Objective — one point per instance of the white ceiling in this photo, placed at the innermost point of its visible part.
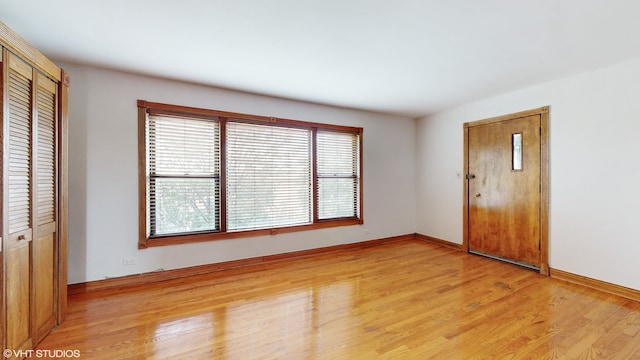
(408, 57)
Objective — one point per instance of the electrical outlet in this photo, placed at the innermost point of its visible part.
(128, 262)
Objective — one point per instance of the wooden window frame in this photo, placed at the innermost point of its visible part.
(146, 107)
(317, 176)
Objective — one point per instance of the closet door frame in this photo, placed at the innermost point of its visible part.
(10, 42)
(3, 105)
(62, 173)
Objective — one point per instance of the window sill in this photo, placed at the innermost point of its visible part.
(193, 238)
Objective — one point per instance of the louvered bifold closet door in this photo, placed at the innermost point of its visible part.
(45, 251)
(17, 201)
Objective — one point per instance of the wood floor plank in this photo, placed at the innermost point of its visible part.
(404, 300)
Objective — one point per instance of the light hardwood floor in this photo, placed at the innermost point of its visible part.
(405, 300)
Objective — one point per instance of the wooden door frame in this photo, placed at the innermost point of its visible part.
(544, 179)
(10, 42)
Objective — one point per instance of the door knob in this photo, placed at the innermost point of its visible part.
(477, 194)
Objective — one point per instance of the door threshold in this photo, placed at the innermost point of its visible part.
(526, 266)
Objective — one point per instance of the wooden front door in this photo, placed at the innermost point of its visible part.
(504, 189)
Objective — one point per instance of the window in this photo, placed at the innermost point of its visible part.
(208, 174)
(268, 176)
(516, 151)
(338, 174)
(184, 175)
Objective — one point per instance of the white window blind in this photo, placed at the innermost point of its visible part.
(183, 160)
(268, 176)
(337, 161)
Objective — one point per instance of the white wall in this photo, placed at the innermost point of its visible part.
(594, 169)
(595, 165)
(103, 219)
